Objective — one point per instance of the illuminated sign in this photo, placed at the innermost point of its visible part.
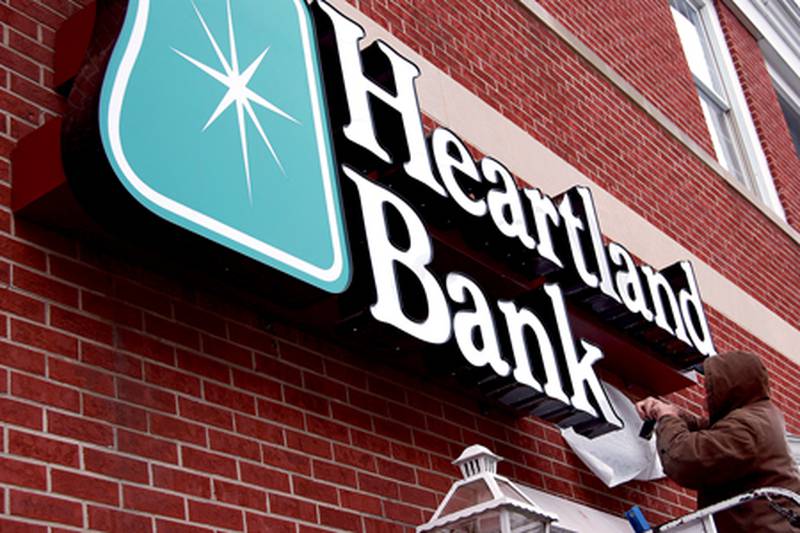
(212, 115)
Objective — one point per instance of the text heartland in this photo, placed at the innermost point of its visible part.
(560, 238)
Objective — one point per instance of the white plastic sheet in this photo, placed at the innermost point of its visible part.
(621, 455)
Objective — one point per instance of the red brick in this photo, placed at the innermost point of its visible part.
(230, 398)
(13, 526)
(42, 448)
(168, 526)
(276, 369)
(44, 286)
(85, 487)
(266, 524)
(227, 351)
(280, 413)
(206, 414)
(372, 525)
(305, 401)
(177, 429)
(112, 310)
(41, 391)
(116, 413)
(21, 358)
(324, 386)
(71, 373)
(216, 515)
(354, 457)
(144, 446)
(303, 442)
(170, 379)
(239, 496)
(254, 383)
(328, 429)
(208, 462)
(79, 429)
(20, 414)
(81, 325)
(418, 496)
(347, 415)
(339, 519)
(360, 502)
(286, 460)
(396, 471)
(203, 366)
(131, 341)
(334, 473)
(147, 396)
(252, 338)
(172, 331)
(292, 508)
(233, 445)
(112, 360)
(115, 466)
(403, 513)
(80, 274)
(140, 296)
(22, 474)
(263, 431)
(314, 490)
(371, 443)
(299, 356)
(201, 320)
(392, 430)
(180, 481)
(268, 478)
(44, 338)
(46, 508)
(378, 486)
(20, 252)
(151, 501)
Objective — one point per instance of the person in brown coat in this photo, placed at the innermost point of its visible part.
(741, 447)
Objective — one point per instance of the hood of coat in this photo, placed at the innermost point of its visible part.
(734, 380)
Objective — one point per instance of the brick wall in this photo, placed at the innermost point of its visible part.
(132, 399)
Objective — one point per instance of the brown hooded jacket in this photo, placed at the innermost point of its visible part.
(740, 448)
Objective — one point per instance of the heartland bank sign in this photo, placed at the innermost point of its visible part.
(214, 116)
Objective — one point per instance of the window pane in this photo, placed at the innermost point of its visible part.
(695, 44)
(792, 120)
(722, 137)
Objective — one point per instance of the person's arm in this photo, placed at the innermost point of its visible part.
(707, 457)
(694, 423)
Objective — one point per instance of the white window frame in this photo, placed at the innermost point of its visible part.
(756, 166)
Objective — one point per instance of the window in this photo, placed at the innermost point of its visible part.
(736, 144)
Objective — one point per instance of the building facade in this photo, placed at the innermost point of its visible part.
(144, 389)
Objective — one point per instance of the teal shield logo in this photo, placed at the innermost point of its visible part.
(213, 116)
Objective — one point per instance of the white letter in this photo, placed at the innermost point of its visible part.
(467, 323)
(573, 226)
(505, 206)
(442, 141)
(690, 298)
(385, 259)
(580, 372)
(628, 283)
(518, 320)
(361, 129)
(544, 213)
(606, 281)
(657, 284)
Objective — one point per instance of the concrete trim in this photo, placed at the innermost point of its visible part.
(453, 105)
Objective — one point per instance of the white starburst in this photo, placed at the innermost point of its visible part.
(238, 93)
